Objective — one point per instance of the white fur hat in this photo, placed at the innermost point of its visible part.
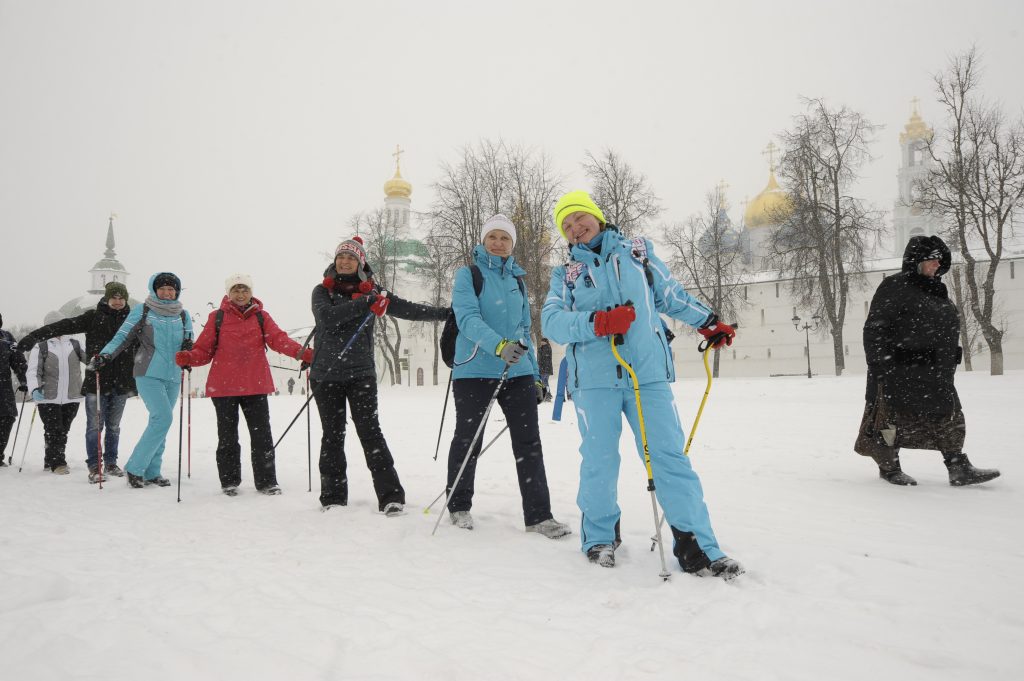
(235, 280)
(501, 222)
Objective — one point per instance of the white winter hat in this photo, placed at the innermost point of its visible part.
(501, 222)
(235, 280)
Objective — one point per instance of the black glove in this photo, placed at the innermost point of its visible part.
(304, 366)
(22, 388)
(25, 344)
(186, 345)
(98, 362)
(542, 391)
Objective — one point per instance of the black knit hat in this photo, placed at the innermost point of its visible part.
(167, 279)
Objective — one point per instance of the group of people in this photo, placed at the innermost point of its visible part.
(604, 304)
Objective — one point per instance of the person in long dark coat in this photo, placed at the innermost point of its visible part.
(911, 345)
(10, 360)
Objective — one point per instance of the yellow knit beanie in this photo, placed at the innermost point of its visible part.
(572, 202)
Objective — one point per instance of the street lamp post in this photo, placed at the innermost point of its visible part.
(807, 328)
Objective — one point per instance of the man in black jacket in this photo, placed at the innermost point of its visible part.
(116, 381)
(10, 360)
(910, 343)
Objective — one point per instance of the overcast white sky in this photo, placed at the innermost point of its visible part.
(240, 136)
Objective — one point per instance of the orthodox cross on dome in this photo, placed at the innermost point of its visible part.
(913, 106)
(721, 189)
(398, 154)
(770, 152)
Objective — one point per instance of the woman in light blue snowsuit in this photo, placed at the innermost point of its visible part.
(162, 328)
(614, 285)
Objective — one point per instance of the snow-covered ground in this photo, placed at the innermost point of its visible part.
(849, 578)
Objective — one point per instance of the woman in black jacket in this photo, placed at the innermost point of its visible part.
(911, 346)
(345, 304)
(116, 381)
(10, 360)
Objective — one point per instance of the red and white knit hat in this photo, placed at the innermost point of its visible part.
(354, 247)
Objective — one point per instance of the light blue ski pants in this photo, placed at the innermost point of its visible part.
(677, 487)
(160, 396)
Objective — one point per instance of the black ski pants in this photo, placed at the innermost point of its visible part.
(229, 452)
(7, 422)
(518, 401)
(361, 395)
(56, 420)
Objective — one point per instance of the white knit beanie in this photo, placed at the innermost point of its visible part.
(235, 280)
(501, 222)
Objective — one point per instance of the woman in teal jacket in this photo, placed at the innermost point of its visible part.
(494, 334)
(612, 285)
(162, 328)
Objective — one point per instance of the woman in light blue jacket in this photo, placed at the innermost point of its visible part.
(493, 315)
(614, 286)
(162, 328)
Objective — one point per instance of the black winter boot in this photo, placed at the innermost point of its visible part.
(961, 472)
(896, 476)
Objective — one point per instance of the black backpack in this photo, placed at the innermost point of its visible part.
(450, 332)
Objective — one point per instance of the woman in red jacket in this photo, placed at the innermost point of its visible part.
(235, 338)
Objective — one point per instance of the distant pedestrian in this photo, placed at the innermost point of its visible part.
(291, 385)
(544, 364)
(911, 343)
(10, 361)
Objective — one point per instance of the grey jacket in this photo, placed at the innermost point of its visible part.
(54, 367)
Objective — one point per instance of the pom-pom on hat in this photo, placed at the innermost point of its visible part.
(236, 280)
(354, 247)
(501, 222)
(577, 201)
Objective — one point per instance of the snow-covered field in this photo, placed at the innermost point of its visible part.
(848, 577)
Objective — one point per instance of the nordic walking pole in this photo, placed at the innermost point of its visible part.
(10, 459)
(28, 437)
(647, 453)
(469, 452)
(447, 392)
(494, 439)
(189, 398)
(309, 439)
(99, 431)
(181, 425)
(309, 398)
(704, 348)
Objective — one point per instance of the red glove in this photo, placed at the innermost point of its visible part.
(380, 304)
(306, 356)
(614, 321)
(183, 358)
(717, 333)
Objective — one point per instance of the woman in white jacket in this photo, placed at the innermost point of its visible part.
(55, 381)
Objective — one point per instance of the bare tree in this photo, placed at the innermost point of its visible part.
(824, 232)
(494, 177)
(707, 254)
(976, 185)
(624, 195)
(436, 271)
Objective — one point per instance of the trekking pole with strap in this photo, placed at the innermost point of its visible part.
(189, 398)
(309, 398)
(181, 426)
(21, 412)
(494, 439)
(647, 453)
(704, 348)
(99, 431)
(309, 441)
(444, 410)
(28, 436)
(476, 438)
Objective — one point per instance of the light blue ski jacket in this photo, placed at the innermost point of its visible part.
(501, 311)
(591, 281)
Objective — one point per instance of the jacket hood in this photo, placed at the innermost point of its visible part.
(485, 260)
(921, 248)
(153, 277)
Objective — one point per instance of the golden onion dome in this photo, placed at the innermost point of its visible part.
(770, 207)
(915, 129)
(397, 187)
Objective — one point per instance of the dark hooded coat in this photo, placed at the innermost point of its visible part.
(911, 336)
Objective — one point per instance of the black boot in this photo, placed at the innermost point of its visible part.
(961, 472)
(896, 476)
(135, 481)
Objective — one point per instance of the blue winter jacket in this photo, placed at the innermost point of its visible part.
(162, 336)
(599, 281)
(501, 311)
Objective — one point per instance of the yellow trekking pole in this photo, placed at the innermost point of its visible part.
(647, 454)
